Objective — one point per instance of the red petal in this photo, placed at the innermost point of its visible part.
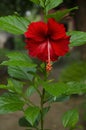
(53, 56)
(37, 31)
(40, 50)
(37, 50)
(61, 46)
(43, 52)
(55, 29)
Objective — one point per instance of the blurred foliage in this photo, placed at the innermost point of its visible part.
(19, 42)
(74, 72)
(10, 6)
(3, 53)
(3, 57)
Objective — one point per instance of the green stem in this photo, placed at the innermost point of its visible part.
(42, 100)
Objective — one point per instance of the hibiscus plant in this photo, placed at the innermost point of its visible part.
(46, 40)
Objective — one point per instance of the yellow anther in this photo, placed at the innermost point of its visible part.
(48, 67)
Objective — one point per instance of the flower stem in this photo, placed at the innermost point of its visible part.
(42, 100)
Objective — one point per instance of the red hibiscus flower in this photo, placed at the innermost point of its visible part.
(47, 41)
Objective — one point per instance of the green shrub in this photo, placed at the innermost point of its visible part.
(74, 72)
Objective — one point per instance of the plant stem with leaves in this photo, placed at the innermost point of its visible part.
(42, 100)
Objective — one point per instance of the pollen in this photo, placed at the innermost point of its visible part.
(48, 67)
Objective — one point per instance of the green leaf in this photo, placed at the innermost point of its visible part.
(30, 91)
(78, 38)
(17, 63)
(38, 118)
(19, 56)
(31, 114)
(20, 66)
(55, 89)
(14, 24)
(75, 88)
(74, 72)
(35, 1)
(24, 123)
(18, 59)
(59, 15)
(59, 99)
(23, 73)
(70, 118)
(42, 3)
(39, 2)
(60, 89)
(2, 86)
(14, 85)
(50, 4)
(51, 99)
(10, 103)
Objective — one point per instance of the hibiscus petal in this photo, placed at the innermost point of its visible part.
(40, 50)
(37, 31)
(37, 50)
(61, 46)
(43, 52)
(55, 29)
